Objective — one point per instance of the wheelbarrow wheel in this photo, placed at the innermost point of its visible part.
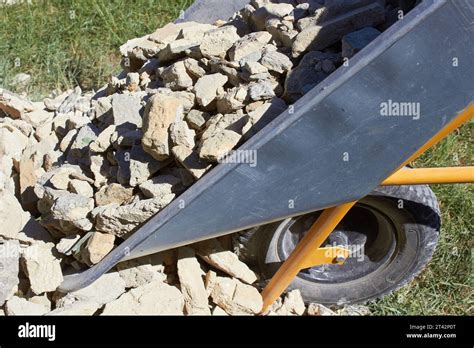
(392, 234)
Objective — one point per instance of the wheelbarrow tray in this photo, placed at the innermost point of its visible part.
(334, 145)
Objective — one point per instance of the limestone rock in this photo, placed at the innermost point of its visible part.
(126, 110)
(219, 144)
(138, 272)
(261, 90)
(121, 220)
(160, 186)
(103, 141)
(9, 268)
(105, 289)
(161, 112)
(12, 216)
(217, 42)
(42, 267)
(20, 306)
(236, 298)
(81, 187)
(155, 298)
(214, 254)
(192, 285)
(206, 88)
(180, 134)
(322, 35)
(97, 247)
(14, 105)
(354, 310)
(319, 309)
(77, 308)
(276, 61)
(113, 193)
(66, 243)
(270, 10)
(293, 304)
(176, 77)
(191, 161)
(73, 208)
(249, 45)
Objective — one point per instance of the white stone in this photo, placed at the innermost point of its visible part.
(192, 285)
(42, 267)
(206, 88)
(225, 260)
(20, 306)
(155, 298)
(236, 298)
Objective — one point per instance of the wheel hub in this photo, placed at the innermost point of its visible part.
(365, 231)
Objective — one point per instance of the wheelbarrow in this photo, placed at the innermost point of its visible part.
(331, 207)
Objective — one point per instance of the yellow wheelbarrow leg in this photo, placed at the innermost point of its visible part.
(308, 254)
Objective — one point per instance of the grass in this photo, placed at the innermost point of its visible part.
(62, 44)
(446, 286)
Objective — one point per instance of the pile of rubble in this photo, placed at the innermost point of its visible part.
(81, 171)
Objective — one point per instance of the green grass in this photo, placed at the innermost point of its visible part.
(446, 285)
(62, 44)
(60, 51)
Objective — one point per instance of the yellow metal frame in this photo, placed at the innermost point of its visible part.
(308, 252)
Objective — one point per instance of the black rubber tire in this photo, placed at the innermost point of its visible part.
(417, 227)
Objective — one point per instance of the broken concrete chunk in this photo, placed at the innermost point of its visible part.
(155, 298)
(42, 267)
(161, 112)
(180, 134)
(191, 283)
